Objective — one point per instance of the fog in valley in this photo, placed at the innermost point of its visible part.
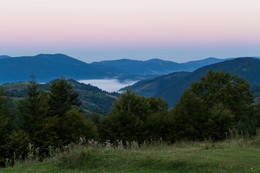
(110, 85)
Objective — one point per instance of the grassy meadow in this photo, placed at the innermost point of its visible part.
(236, 155)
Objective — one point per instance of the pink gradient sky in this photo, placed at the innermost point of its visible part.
(93, 30)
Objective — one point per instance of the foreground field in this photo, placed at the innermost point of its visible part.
(229, 156)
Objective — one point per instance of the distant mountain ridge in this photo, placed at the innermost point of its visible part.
(4, 56)
(47, 67)
(156, 66)
(247, 68)
(150, 87)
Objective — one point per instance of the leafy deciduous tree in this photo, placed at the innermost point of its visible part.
(132, 116)
(229, 90)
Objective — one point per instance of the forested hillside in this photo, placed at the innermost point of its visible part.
(91, 97)
(256, 93)
(247, 68)
(150, 87)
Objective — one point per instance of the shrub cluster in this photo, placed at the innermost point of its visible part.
(42, 120)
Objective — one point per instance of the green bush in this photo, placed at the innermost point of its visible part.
(135, 118)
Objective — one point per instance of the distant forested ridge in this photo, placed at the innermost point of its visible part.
(91, 97)
(155, 66)
(171, 86)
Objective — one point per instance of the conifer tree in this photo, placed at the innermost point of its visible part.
(6, 125)
(65, 122)
(62, 98)
(32, 110)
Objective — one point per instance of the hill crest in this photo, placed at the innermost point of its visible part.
(247, 68)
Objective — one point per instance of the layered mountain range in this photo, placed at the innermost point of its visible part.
(47, 67)
(162, 78)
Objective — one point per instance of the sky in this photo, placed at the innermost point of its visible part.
(95, 30)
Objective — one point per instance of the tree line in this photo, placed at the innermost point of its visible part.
(208, 110)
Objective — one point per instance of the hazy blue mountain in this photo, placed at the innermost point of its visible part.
(155, 66)
(4, 56)
(47, 67)
(248, 68)
(193, 65)
(150, 87)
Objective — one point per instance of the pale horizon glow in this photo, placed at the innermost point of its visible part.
(94, 30)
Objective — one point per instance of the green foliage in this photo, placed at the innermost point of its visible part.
(92, 98)
(219, 122)
(32, 110)
(73, 126)
(16, 146)
(129, 116)
(62, 98)
(189, 118)
(6, 125)
(214, 105)
(47, 136)
(158, 121)
(16, 90)
(229, 90)
(63, 123)
(60, 131)
(257, 113)
(44, 120)
(157, 127)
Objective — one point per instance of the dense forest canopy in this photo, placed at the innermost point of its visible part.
(211, 109)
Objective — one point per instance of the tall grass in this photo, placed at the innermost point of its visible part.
(232, 155)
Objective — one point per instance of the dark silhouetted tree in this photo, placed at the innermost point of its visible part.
(214, 105)
(32, 110)
(190, 118)
(6, 126)
(131, 119)
(62, 98)
(229, 90)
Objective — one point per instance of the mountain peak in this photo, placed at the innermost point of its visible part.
(52, 55)
(4, 56)
(156, 60)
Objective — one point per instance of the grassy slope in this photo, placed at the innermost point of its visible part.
(229, 156)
